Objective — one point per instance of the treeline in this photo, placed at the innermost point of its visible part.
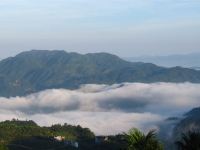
(23, 135)
(19, 135)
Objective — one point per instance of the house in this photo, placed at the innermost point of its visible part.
(59, 138)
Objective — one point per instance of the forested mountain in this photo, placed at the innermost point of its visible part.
(37, 70)
(173, 128)
(191, 122)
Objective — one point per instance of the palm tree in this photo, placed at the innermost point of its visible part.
(189, 141)
(139, 141)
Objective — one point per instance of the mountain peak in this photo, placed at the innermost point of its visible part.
(40, 52)
(194, 112)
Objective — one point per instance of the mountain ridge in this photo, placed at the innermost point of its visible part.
(37, 70)
(190, 60)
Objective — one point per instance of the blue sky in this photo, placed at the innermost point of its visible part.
(122, 27)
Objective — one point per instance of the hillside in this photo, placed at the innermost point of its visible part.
(191, 122)
(18, 135)
(35, 70)
(173, 128)
(23, 135)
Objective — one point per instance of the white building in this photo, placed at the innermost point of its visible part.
(59, 138)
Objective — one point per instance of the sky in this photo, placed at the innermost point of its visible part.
(122, 27)
(105, 109)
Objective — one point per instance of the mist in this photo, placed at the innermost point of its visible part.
(105, 109)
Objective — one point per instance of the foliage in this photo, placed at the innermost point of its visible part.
(3, 147)
(116, 142)
(17, 135)
(189, 141)
(190, 122)
(139, 141)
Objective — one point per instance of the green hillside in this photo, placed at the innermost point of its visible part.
(23, 135)
(34, 71)
(15, 135)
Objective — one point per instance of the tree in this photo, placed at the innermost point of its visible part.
(3, 147)
(189, 141)
(139, 141)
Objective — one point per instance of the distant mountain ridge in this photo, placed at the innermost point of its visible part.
(172, 128)
(191, 121)
(191, 60)
(37, 70)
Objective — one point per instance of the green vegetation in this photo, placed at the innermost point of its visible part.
(189, 141)
(139, 141)
(190, 122)
(15, 135)
(23, 135)
(34, 71)
(11, 130)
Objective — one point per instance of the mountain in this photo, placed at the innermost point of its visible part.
(37, 70)
(191, 60)
(171, 129)
(191, 122)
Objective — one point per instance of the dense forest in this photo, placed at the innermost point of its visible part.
(17, 134)
(23, 135)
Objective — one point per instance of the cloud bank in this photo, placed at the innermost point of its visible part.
(105, 109)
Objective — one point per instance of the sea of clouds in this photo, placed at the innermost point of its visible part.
(105, 109)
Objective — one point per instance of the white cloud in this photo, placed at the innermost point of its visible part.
(102, 123)
(105, 109)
